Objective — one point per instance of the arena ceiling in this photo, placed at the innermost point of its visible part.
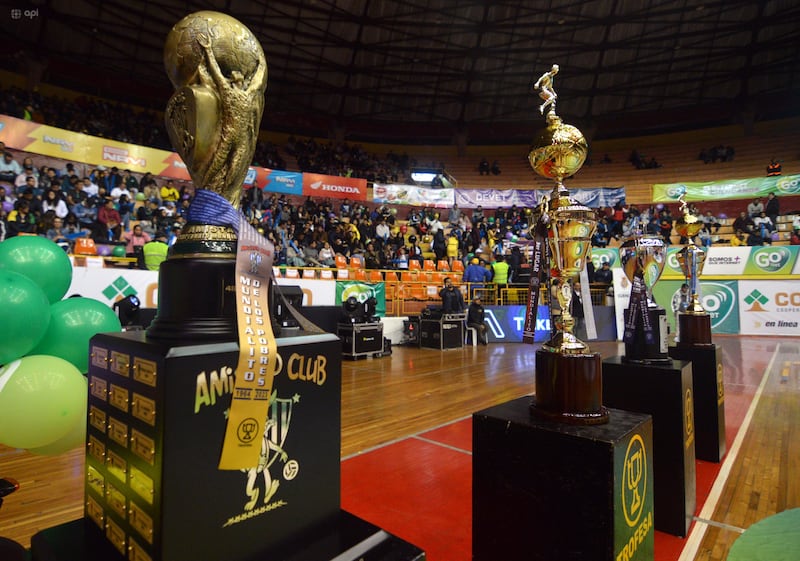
(427, 70)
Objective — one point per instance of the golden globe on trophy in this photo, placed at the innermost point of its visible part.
(694, 324)
(219, 72)
(643, 257)
(568, 375)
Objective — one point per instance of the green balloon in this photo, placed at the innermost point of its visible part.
(118, 251)
(41, 398)
(75, 437)
(41, 260)
(72, 323)
(24, 315)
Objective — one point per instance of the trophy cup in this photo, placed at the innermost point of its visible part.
(568, 374)
(694, 324)
(643, 257)
(219, 72)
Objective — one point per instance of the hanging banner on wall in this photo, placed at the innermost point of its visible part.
(412, 195)
(769, 307)
(275, 181)
(727, 189)
(82, 148)
(318, 185)
(361, 291)
(496, 198)
(771, 260)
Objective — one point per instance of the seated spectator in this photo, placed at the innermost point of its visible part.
(704, 235)
(738, 239)
(764, 225)
(484, 168)
(604, 275)
(755, 238)
(20, 220)
(744, 223)
(326, 256)
(155, 252)
(794, 239)
(9, 168)
(755, 208)
(711, 221)
(773, 168)
(135, 240)
(496, 167)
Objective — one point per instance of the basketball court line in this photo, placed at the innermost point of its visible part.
(703, 519)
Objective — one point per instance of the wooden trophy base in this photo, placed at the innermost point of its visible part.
(569, 388)
(694, 330)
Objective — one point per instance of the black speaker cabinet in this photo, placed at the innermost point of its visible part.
(361, 339)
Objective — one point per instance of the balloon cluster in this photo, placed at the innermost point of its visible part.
(44, 347)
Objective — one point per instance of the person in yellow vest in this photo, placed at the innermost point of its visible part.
(738, 239)
(500, 270)
(154, 252)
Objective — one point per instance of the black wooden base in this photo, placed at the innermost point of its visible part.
(346, 535)
(665, 392)
(694, 330)
(569, 388)
(709, 399)
(544, 491)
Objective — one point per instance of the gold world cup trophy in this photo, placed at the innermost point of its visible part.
(643, 257)
(219, 72)
(568, 375)
(694, 324)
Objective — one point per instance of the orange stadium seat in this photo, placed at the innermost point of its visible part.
(356, 262)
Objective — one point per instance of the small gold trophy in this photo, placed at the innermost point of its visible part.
(643, 257)
(568, 375)
(694, 324)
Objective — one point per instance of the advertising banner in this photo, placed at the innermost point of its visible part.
(504, 323)
(672, 269)
(719, 298)
(412, 195)
(726, 261)
(728, 189)
(318, 185)
(496, 198)
(275, 181)
(77, 147)
(769, 307)
(771, 260)
(600, 255)
(622, 293)
(361, 291)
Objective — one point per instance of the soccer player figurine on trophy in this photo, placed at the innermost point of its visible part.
(694, 325)
(568, 374)
(643, 257)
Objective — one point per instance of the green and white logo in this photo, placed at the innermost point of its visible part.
(771, 260)
(789, 185)
(721, 301)
(361, 291)
(120, 288)
(602, 255)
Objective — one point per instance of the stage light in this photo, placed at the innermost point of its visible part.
(128, 310)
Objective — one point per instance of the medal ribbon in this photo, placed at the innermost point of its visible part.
(255, 369)
(537, 269)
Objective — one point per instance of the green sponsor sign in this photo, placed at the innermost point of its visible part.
(769, 260)
(600, 255)
(672, 268)
(719, 298)
(361, 291)
(728, 189)
(634, 533)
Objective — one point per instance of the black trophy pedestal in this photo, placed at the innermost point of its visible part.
(544, 491)
(665, 392)
(709, 399)
(346, 534)
(639, 350)
(156, 424)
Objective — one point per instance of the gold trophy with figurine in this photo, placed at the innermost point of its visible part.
(694, 324)
(568, 374)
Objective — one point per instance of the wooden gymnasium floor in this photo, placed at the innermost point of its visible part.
(406, 460)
